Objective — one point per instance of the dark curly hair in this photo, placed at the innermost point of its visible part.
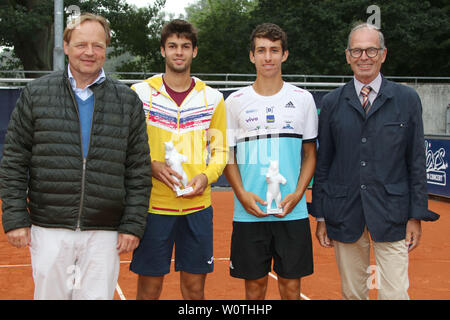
(182, 29)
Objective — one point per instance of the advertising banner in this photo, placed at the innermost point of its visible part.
(8, 98)
(437, 151)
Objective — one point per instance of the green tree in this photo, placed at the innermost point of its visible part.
(27, 25)
(8, 61)
(139, 35)
(417, 34)
(223, 32)
(417, 37)
(317, 32)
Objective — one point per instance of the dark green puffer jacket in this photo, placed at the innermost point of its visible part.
(43, 177)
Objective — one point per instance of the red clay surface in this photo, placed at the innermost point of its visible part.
(429, 269)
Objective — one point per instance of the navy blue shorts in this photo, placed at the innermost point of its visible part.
(192, 235)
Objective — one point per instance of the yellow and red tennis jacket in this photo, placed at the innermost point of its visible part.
(197, 129)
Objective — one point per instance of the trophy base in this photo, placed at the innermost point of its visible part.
(274, 211)
(181, 192)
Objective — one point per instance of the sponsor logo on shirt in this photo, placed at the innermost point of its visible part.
(290, 105)
(251, 119)
(255, 128)
(288, 125)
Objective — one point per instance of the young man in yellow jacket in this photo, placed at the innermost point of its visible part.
(184, 112)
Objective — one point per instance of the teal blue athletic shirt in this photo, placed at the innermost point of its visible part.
(270, 128)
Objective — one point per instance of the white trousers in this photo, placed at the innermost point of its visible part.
(78, 265)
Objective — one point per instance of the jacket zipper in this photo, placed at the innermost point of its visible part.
(83, 180)
(83, 172)
(83, 177)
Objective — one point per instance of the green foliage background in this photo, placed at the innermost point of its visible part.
(417, 33)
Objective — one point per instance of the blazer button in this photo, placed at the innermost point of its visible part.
(363, 163)
(364, 140)
(363, 187)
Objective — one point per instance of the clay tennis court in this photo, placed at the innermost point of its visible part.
(429, 265)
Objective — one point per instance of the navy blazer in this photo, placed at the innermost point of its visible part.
(370, 169)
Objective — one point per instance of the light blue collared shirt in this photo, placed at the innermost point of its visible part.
(85, 93)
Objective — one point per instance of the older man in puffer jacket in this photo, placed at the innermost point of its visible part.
(75, 177)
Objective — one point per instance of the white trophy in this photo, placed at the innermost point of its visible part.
(273, 179)
(174, 160)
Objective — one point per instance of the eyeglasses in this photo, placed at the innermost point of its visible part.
(370, 52)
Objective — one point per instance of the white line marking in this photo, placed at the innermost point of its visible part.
(301, 294)
(15, 265)
(120, 293)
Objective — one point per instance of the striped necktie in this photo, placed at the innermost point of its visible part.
(365, 94)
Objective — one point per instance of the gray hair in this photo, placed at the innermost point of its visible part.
(369, 26)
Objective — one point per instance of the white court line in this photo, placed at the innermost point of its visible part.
(301, 294)
(15, 265)
(119, 292)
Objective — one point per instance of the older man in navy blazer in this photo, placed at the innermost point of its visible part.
(370, 179)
